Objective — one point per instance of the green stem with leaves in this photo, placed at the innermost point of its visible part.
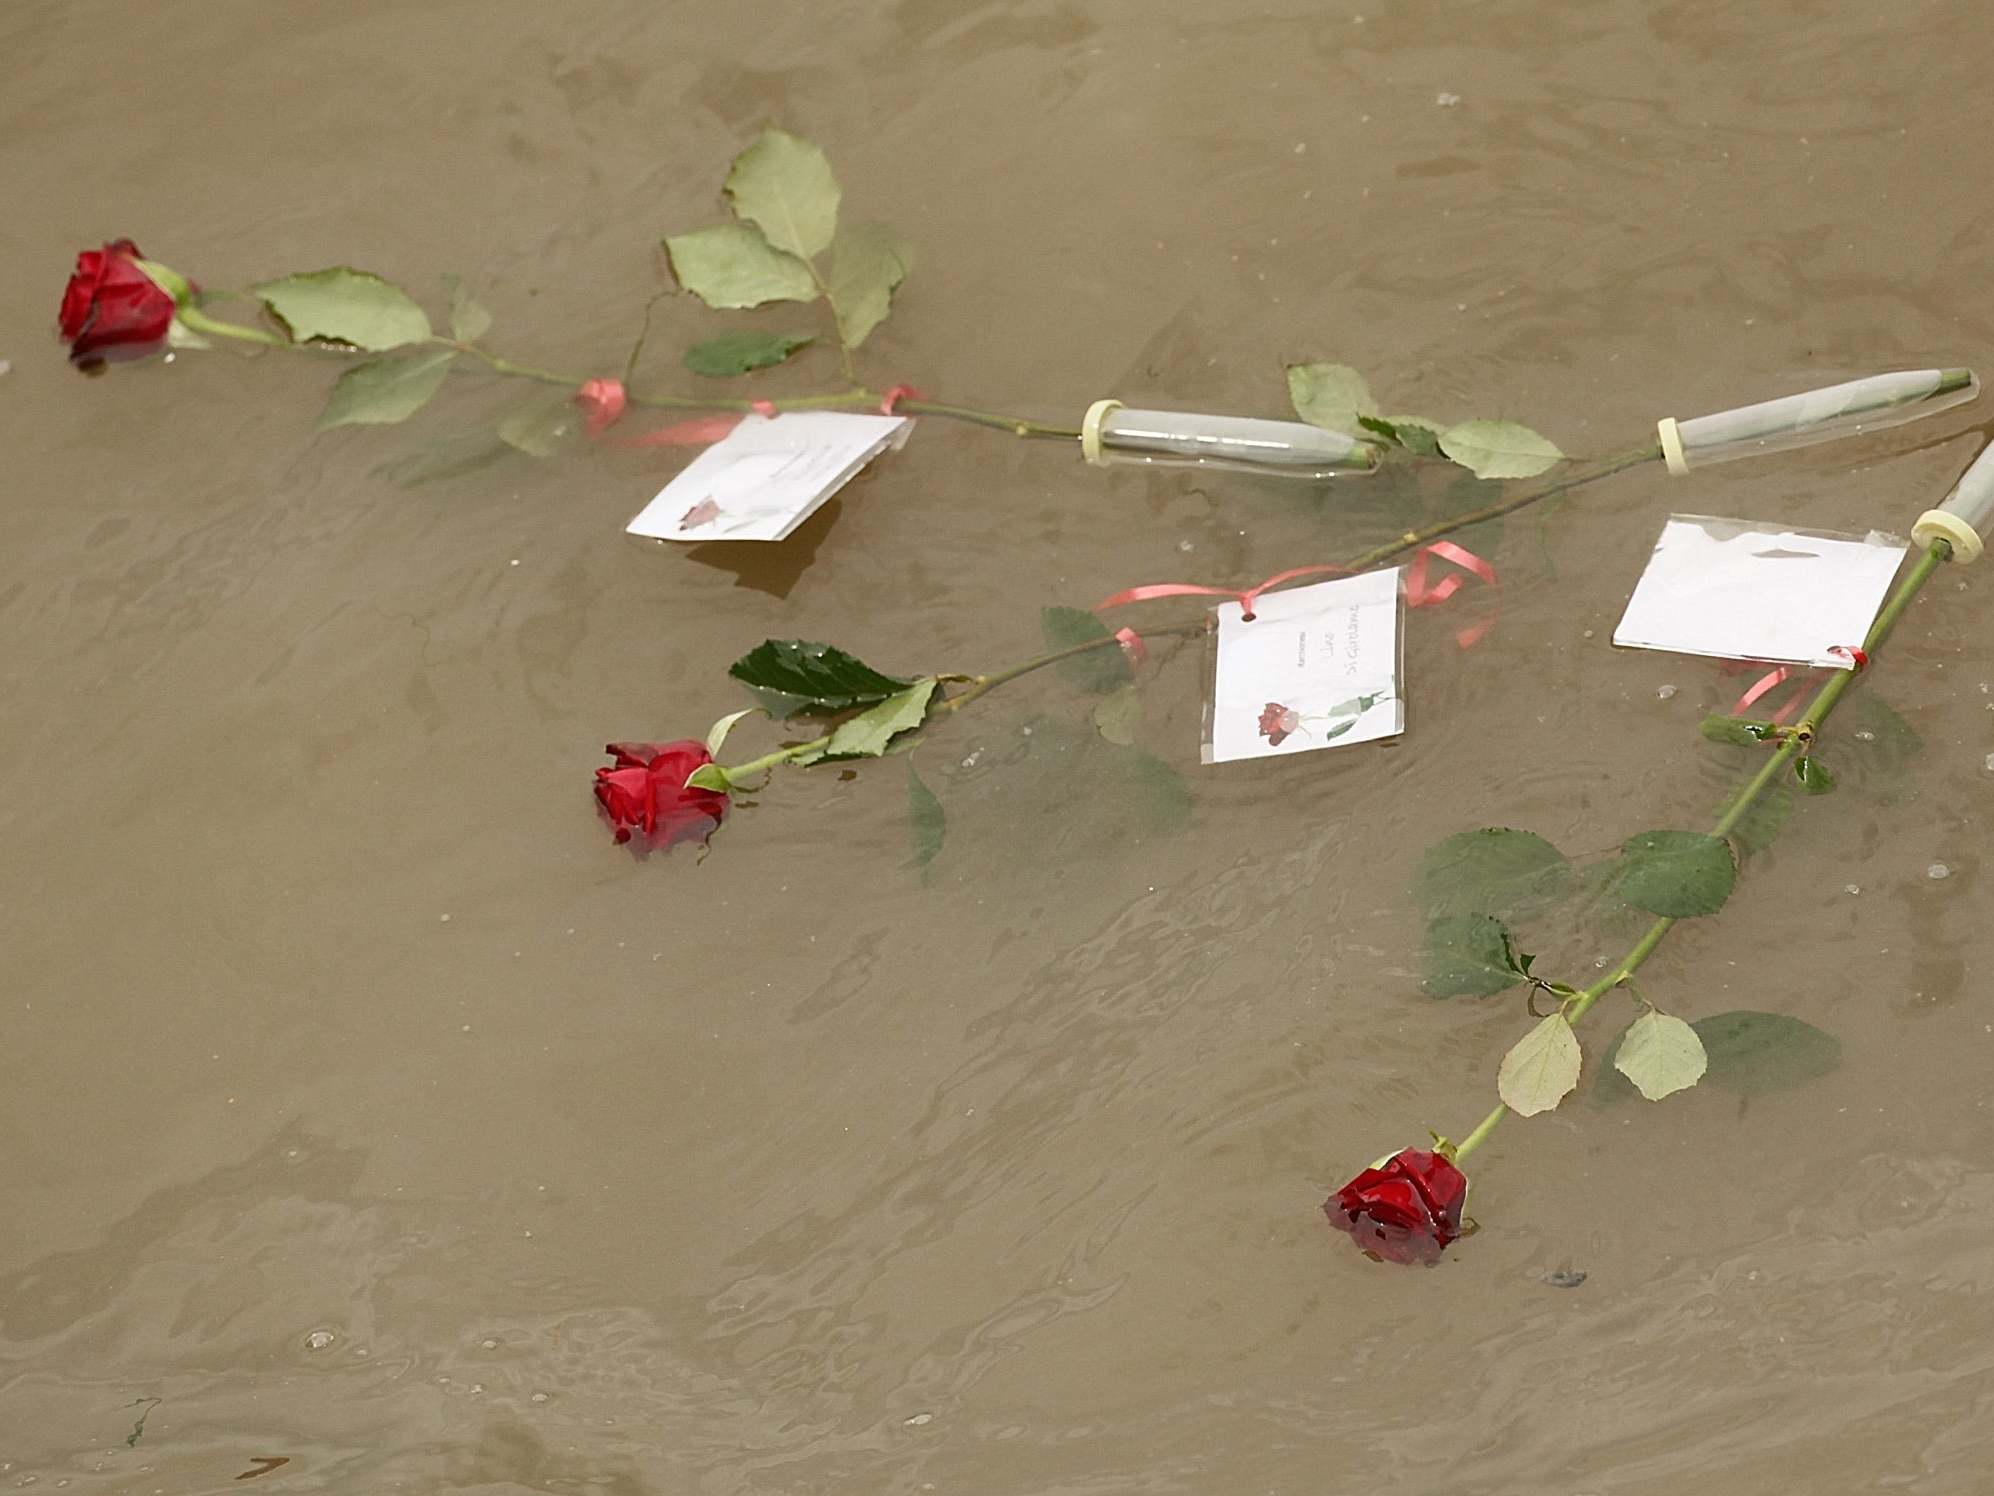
(1792, 745)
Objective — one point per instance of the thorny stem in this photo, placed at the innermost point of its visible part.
(1792, 746)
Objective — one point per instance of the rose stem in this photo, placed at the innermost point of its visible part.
(1795, 743)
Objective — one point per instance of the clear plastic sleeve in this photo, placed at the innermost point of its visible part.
(1172, 438)
(1862, 405)
(1966, 518)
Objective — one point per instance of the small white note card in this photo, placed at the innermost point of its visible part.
(767, 476)
(1317, 667)
(1742, 591)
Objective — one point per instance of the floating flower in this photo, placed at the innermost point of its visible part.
(645, 790)
(1405, 1208)
(113, 309)
(1277, 721)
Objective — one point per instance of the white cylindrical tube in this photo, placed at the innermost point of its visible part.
(1173, 438)
(1966, 518)
(1862, 405)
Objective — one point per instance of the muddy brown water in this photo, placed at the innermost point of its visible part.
(366, 1109)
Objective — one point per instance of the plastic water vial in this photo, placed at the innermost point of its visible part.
(1966, 517)
(1859, 406)
(1111, 433)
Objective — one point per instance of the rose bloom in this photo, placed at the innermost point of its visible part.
(112, 309)
(1405, 1208)
(645, 791)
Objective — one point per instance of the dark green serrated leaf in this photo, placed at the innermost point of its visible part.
(926, 820)
(344, 305)
(1812, 775)
(788, 676)
(1882, 738)
(1098, 670)
(742, 352)
(1741, 732)
(1491, 871)
(1751, 1054)
(1679, 874)
(1415, 434)
(1468, 955)
(384, 391)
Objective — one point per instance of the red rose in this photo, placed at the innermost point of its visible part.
(111, 308)
(1405, 1209)
(646, 791)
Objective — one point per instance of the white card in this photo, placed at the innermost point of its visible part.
(1741, 591)
(767, 476)
(1318, 667)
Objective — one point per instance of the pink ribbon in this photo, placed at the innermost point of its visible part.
(1858, 659)
(895, 395)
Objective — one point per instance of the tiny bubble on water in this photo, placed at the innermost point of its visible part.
(1666, 693)
(1938, 870)
(318, 1340)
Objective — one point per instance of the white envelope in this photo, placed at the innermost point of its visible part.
(767, 476)
(1741, 591)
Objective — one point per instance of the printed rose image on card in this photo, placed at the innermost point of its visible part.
(1316, 667)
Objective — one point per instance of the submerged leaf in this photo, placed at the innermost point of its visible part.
(1754, 1053)
(1812, 775)
(788, 676)
(1541, 1068)
(742, 352)
(1469, 955)
(1495, 870)
(383, 391)
(469, 320)
(1117, 714)
(445, 458)
(1759, 825)
(868, 263)
(343, 305)
(1097, 670)
(1499, 449)
(784, 186)
(1661, 1054)
(1332, 396)
(926, 820)
(1678, 874)
(730, 265)
(543, 424)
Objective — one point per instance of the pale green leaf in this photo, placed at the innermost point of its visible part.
(735, 353)
(868, 734)
(1499, 449)
(868, 261)
(716, 735)
(1540, 1069)
(784, 187)
(382, 391)
(1116, 715)
(543, 424)
(730, 265)
(710, 777)
(344, 305)
(1332, 396)
(1661, 1054)
(469, 320)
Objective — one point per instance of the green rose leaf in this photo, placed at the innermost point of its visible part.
(1661, 1054)
(788, 676)
(1414, 433)
(1469, 955)
(342, 305)
(1332, 396)
(730, 265)
(1540, 1069)
(868, 734)
(1492, 871)
(1499, 449)
(444, 458)
(710, 777)
(868, 262)
(742, 352)
(1752, 1054)
(1758, 827)
(469, 320)
(1742, 732)
(1117, 714)
(1097, 670)
(1679, 874)
(543, 424)
(1812, 775)
(382, 391)
(926, 820)
(784, 187)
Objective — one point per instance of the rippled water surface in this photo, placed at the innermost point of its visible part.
(367, 1109)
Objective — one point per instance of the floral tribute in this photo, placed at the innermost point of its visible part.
(786, 242)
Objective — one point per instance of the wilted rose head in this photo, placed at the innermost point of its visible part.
(1405, 1208)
